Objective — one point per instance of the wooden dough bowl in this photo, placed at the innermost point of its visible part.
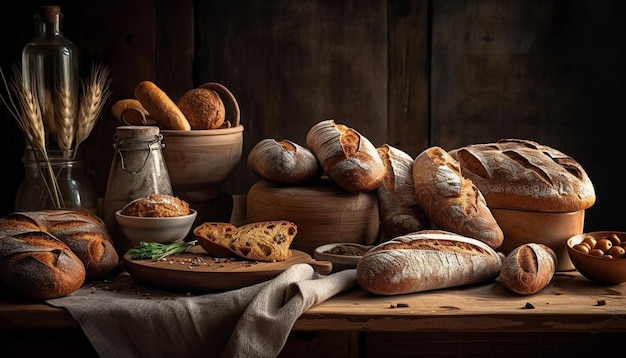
(323, 212)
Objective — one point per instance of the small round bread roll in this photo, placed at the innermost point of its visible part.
(203, 108)
(284, 162)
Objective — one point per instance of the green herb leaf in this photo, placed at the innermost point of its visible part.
(157, 251)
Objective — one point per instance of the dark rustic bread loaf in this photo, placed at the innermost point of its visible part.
(522, 174)
(399, 211)
(262, 241)
(451, 201)
(347, 157)
(425, 261)
(528, 268)
(36, 265)
(82, 231)
(284, 162)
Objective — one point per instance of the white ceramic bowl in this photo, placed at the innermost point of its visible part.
(150, 229)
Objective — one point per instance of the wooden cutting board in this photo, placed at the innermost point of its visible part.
(199, 272)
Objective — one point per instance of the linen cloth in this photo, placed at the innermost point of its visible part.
(122, 318)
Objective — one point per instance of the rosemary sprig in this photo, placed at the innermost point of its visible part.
(157, 250)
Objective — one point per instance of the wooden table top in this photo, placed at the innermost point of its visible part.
(569, 303)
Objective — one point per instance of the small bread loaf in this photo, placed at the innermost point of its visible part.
(156, 205)
(130, 111)
(451, 201)
(425, 261)
(203, 108)
(524, 175)
(81, 230)
(261, 241)
(348, 158)
(399, 211)
(35, 264)
(528, 268)
(284, 162)
(160, 106)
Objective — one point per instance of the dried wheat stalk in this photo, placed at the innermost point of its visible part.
(65, 118)
(95, 93)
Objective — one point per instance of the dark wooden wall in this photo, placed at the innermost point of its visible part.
(411, 73)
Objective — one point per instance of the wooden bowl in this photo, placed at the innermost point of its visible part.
(603, 271)
(323, 212)
(200, 161)
(552, 229)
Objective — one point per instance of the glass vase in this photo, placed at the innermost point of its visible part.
(62, 182)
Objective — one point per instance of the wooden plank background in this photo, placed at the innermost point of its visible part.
(411, 73)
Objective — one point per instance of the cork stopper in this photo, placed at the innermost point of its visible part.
(49, 13)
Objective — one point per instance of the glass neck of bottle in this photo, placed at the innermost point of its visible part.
(46, 28)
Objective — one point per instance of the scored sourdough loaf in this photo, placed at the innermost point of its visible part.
(35, 264)
(524, 175)
(160, 106)
(81, 230)
(261, 241)
(347, 157)
(528, 268)
(451, 201)
(426, 260)
(284, 162)
(399, 211)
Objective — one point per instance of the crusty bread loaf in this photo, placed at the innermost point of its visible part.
(522, 174)
(284, 162)
(425, 261)
(129, 111)
(261, 241)
(347, 157)
(528, 268)
(451, 201)
(203, 108)
(35, 264)
(156, 205)
(399, 211)
(81, 230)
(160, 106)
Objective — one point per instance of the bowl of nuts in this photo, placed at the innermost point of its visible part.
(599, 256)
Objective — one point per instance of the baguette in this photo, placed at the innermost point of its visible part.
(261, 241)
(35, 264)
(284, 162)
(524, 175)
(347, 157)
(424, 261)
(528, 268)
(451, 201)
(399, 211)
(160, 106)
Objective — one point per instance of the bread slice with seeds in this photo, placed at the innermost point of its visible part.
(261, 241)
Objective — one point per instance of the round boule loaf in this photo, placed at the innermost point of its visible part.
(284, 162)
(203, 108)
(525, 175)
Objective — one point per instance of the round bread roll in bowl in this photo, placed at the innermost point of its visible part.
(536, 193)
(203, 108)
(199, 161)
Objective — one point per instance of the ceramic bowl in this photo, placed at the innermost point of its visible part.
(153, 229)
(600, 270)
(199, 161)
(552, 229)
(343, 256)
